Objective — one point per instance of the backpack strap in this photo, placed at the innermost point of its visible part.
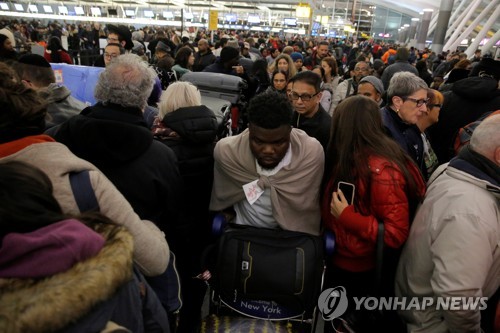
(349, 86)
(83, 191)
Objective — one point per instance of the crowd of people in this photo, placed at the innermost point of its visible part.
(381, 117)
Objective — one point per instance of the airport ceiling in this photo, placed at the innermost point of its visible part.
(287, 7)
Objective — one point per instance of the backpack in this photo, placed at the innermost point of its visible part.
(274, 265)
(464, 134)
(167, 285)
(166, 77)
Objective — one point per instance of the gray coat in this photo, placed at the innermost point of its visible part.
(61, 105)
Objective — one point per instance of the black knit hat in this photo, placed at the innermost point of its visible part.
(228, 53)
(487, 66)
(34, 60)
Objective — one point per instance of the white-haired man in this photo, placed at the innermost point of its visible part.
(113, 135)
(453, 252)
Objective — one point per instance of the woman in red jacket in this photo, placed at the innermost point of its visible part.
(388, 187)
(55, 53)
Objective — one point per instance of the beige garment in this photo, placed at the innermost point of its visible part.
(294, 189)
(151, 251)
(112, 327)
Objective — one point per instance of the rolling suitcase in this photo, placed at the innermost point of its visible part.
(220, 107)
(222, 111)
(222, 86)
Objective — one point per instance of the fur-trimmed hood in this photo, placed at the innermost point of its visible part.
(51, 304)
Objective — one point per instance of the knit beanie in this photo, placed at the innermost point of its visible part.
(34, 60)
(296, 56)
(228, 53)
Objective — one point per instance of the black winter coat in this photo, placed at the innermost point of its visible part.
(117, 140)
(203, 60)
(466, 102)
(318, 126)
(196, 128)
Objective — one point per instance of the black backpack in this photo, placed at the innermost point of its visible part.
(274, 265)
(87, 202)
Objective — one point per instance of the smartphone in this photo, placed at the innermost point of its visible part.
(348, 190)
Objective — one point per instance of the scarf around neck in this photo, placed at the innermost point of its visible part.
(294, 189)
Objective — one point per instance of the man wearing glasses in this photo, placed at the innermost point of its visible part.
(308, 114)
(112, 51)
(349, 87)
(120, 35)
(406, 104)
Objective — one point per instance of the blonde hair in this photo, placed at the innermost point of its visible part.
(291, 66)
(178, 95)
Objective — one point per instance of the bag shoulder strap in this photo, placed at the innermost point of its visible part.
(464, 134)
(349, 86)
(380, 257)
(83, 191)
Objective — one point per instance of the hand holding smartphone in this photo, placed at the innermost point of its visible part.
(348, 190)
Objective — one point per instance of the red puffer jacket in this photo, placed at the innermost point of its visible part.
(356, 234)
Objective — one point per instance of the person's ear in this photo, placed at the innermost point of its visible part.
(397, 102)
(28, 84)
(497, 156)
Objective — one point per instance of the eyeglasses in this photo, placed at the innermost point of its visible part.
(303, 97)
(110, 55)
(419, 102)
(361, 69)
(435, 105)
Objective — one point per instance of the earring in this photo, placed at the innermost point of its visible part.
(397, 110)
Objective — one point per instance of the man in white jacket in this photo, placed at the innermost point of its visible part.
(453, 251)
